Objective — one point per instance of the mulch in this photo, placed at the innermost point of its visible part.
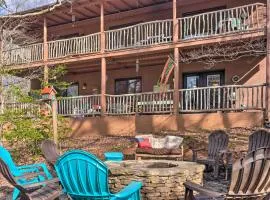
(127, 145)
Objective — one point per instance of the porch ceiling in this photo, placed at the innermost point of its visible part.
(147, 60)
(90, 9)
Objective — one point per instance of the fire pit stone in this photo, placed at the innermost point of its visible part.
(162, 179)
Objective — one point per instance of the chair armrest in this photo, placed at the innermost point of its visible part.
(42, 166)
(42, 183)
(30, 175)
(195, 153)
(196, 150)
(132, 189)
(28, 170)
(201, 190)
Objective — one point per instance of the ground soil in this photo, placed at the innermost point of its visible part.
(99, 145)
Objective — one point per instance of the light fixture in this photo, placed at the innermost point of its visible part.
(84, 87)
(73, 20)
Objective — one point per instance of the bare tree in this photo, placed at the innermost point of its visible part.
(210, 55)
(15, 34)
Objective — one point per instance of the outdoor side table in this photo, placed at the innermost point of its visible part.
(114, 156)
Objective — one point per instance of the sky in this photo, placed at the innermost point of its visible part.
(20, 5)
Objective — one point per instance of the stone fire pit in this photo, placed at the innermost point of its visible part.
(161, 179)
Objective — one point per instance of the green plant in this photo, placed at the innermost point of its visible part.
(23, 126)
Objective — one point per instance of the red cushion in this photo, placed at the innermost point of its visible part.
(145, 144)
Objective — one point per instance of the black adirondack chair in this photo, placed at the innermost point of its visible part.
(47, 190)
(50, 151)
(259, 139)
(250, 180)
(217, 148)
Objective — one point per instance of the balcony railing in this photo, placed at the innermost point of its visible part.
(239, 19)
(223, 22)
(223, 98)
(207, 99)
(27, 109)
(144, 34)
(150, 102)
(74, 46)
(26, 54)
(81, 105)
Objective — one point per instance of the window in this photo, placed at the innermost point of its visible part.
(203, 79)
(192, 81)
(71, 91)
(213, 80)
(128, 85)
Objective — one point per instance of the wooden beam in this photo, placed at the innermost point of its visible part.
(45, 51)
(176, 60)
(267, 103)
(88, 70)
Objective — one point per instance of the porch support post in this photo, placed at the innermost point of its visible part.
(45, 51)
(103, 61)
(176, 60)
(267, 99)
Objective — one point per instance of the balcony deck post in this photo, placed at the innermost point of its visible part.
(176, 60)
(103, 61)
(45, 51)
(267, 99)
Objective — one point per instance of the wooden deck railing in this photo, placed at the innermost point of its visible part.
(222, 98)
(149, 102)
(207, 99)
(26, 54)
(239, 19)
(81, 105)
(228, 21)
(28, 109)
(144, 34)
(74, 46)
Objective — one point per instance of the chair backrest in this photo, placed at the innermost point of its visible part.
(5, 171)
(259, 139)
(250, 175)
(83, 175)
(50, 151)
(6, 157)
(217, 141)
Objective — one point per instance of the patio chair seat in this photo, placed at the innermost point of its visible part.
(40, 171)
(50, 191)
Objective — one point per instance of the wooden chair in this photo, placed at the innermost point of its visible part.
(50, 151)
(46, 190)
(250, 180)
(217, 148)
(259, 139)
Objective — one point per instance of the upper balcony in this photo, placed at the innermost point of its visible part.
(206, 26)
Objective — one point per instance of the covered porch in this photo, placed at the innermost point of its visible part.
(132, 87)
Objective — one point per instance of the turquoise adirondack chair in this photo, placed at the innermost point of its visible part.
(83, 176)
(39, 172)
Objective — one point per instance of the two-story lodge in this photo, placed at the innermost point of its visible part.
(155, 65)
